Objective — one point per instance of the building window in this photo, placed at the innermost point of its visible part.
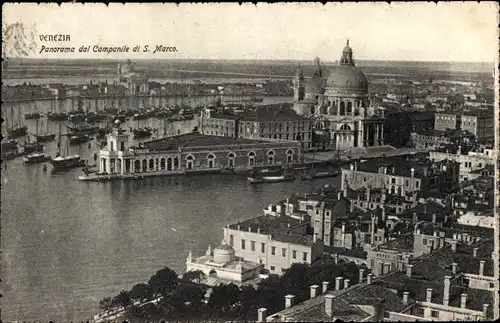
(252, 245)
(262, 247)
(417, 184)
(283, 252)
(243, 244)
(251, 158)
(283, 270)
(424, 241)
(304, 256)
(294, 254)
(393, 181)
(231, 240)
(270, 157)
(230, 159)
(273, 251)
(435, 314)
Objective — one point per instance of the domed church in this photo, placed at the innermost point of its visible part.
(339, 103)
(221, 266)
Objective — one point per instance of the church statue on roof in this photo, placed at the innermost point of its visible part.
(337, 99)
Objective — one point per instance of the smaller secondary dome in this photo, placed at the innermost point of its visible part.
(224, 253)
(117, 122)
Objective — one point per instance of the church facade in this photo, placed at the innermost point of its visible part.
(339, 104)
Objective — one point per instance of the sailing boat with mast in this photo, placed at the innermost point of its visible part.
(35, 151)
(18, 130)
(68, 162)
(47, 136)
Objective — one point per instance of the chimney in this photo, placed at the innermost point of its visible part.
(329, 304)
(238, 227)
(314, 291)
(372, 233)
(433, 217)
(383, 213)
(315, 237)
(412, 171)
(351, 166)
(346, 283)
(481, 268)
(485, 310)
(249, 229)
(369, 279)
(474, 252)
(405, 298)
(289, 301)
(408, 270)
(262, 314)
(258, 230)
(428, 297)
(339, 195)
(368, 193)
(345, 191)
(342, 236)
(454, 268)
(446, 292)
(463, 301)
(338, 281)
(361, 271)
(325, 286)
(454, 246)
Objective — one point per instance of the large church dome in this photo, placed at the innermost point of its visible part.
(347, 77)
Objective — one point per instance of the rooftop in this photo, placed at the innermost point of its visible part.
(196, 140)
(268, 224)
(402, 243)
(402, 165)
(265, 114)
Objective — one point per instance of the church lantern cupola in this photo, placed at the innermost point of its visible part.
(347, 55)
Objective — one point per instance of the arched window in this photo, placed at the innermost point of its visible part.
(230, 159)
(270, 157)
(137, 166)
(144, 165)
(399, 190)
(176, 162)
(289, 156)
(189, 162)
(211, 160)
(169, 163)
(151, 164)
(349, 108)
(251, 158)
(162, 163)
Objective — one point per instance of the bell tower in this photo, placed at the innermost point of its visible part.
(298, 85)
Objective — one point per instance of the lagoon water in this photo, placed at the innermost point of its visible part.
(67, 244)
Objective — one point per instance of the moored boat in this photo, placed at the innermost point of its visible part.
(78, 139)
(142, 133)
(45, 138)
(67, 162)
(35, 158)
(269, 175)
(17, 132)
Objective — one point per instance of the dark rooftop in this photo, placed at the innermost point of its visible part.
(402, 243)
(268, 224)
(298, 239)
(196, 140)
(273, 114)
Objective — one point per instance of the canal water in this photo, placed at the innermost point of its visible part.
(67, 244)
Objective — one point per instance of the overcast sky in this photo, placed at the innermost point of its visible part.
(404, 31)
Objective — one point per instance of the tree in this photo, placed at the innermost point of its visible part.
(105, 303)
(164, 281)
(141, 292)
(123, 299)
(222, 301)
(194, 275)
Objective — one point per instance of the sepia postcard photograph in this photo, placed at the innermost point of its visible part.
(225, 162)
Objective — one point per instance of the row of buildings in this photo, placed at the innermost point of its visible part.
(382, 220)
